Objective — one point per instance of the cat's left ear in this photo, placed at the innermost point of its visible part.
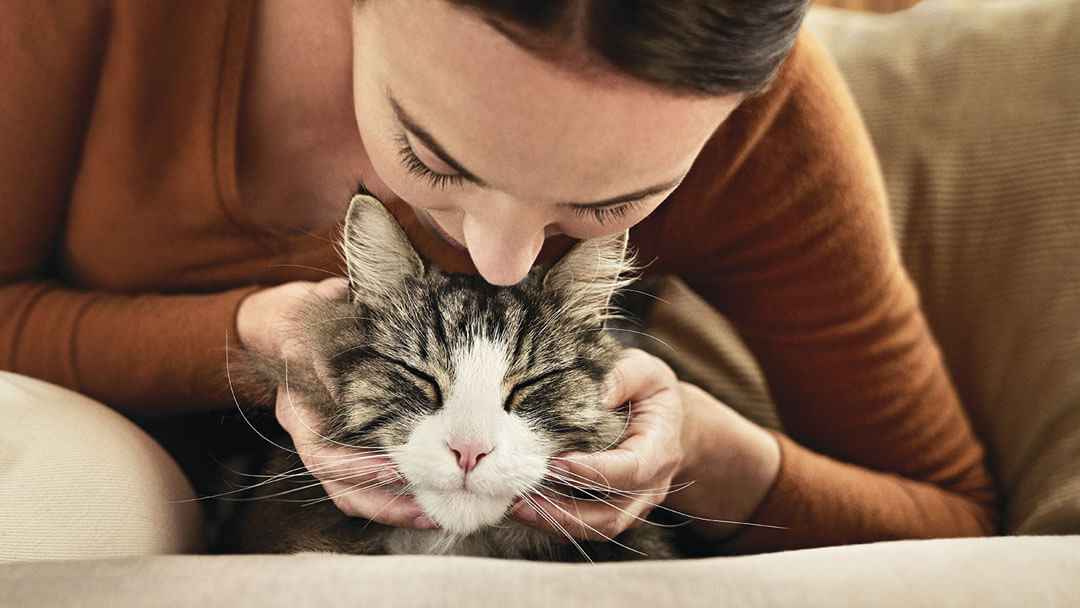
(378, 255)
(590, 274)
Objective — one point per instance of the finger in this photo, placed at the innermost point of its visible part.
(379, 505)
(648, 454)
(636, 376)
(364, 484)
(327, 459)
(600, 520)
(296, 416)
(345, 464)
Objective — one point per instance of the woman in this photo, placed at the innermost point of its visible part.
(174, 173)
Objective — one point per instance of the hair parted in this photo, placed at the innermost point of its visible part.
(698, 46)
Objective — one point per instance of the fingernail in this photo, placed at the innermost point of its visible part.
(424, 523)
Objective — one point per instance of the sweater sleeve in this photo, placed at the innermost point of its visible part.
(106, 345)
(791, 214)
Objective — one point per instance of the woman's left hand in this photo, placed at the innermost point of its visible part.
(639, 472)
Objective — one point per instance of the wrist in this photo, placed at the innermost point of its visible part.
(730, 462)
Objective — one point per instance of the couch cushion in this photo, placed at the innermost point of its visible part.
(976, 573)
(972, 106)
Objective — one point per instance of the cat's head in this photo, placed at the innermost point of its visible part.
(470, 388)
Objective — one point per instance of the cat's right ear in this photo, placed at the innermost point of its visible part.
(378, 255)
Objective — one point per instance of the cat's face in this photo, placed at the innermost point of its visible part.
(469, 388)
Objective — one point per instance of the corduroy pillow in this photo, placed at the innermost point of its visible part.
(974, 109)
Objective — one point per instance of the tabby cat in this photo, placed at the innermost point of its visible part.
(422, 362)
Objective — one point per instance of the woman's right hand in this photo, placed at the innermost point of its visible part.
(361, 484)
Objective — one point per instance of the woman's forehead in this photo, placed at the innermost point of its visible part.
(498, 109)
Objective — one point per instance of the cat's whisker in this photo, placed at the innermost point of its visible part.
(328, 273)
(555, 524)
(303, 477)
(354, 489)
(583, 484)
(632, 496)
(582, 523)
(603, 478)
(620, 509)
(647, 294)
(236, 400)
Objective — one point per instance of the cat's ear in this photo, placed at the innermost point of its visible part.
(378, 255)
(590, 273)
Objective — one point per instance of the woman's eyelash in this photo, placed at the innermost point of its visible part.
(417, 168)
(604, 215)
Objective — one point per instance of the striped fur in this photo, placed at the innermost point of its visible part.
(420, 360)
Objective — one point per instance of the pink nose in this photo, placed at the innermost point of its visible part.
(467, 453)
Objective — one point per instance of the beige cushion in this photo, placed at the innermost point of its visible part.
(975, 573)
(78, 480)
(973, 108)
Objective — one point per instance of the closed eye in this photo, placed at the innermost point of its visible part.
(603, 215)
(417, 168)
(436, 394)
(514, 392)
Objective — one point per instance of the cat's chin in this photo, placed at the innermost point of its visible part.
(462, 512)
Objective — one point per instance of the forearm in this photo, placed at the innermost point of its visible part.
(813, 499)
(135, 353)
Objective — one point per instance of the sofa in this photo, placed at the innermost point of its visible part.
(974, 110)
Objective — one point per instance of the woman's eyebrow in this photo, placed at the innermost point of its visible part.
(426, 138)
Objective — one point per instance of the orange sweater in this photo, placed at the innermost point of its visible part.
(125, 249)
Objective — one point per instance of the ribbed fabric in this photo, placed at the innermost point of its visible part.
(959, 573)
(78, 480)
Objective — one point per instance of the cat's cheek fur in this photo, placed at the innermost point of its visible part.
(514, 458)
(460, 502)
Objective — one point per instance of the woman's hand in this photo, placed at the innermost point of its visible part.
(361, 484)
(683, 448)
(639, 472)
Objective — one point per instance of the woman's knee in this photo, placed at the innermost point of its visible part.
(79, 480)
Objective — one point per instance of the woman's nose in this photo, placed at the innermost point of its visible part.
(503, 243)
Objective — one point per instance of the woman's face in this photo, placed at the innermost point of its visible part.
(496, 148)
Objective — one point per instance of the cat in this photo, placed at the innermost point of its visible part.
(421, 361)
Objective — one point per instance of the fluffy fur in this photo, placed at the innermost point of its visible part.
(419, 363)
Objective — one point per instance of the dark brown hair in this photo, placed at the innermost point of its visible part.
(698, 46)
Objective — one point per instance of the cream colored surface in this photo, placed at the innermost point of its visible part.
(975, 573)
(78, 480)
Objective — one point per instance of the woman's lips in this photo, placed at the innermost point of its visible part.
(444, 235)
